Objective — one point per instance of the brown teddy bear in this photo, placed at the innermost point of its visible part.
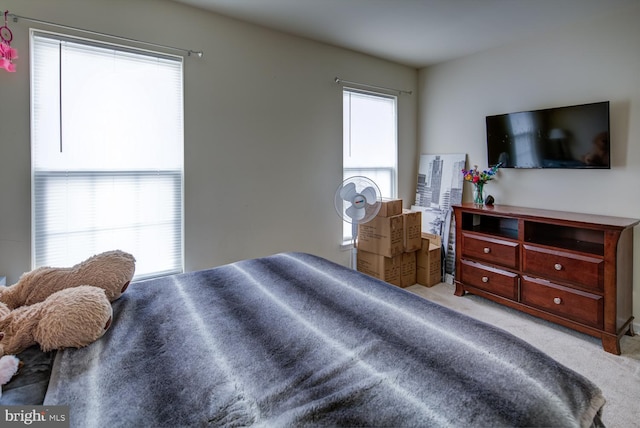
(73, 317)
(111, 271)
(63, 307)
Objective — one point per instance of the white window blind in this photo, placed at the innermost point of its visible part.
(107, 153)
(370, 141)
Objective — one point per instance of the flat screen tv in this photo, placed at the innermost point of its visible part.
(562, 137)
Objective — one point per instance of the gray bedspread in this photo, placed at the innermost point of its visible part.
(294, 340)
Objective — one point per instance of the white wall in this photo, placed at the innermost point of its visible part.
(596, 61)
(263, 130)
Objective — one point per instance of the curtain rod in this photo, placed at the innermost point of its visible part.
(189, 52)
(364, 85)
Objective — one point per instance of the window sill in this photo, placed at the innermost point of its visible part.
(346, 245)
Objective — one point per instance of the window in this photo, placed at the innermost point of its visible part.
(370, 141)
(106, 153)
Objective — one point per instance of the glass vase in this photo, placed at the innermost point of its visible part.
(478, 193)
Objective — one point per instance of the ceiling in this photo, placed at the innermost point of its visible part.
(417, 33)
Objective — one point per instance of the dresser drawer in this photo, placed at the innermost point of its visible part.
(490, 279)
(585, 270)
(497, 251)
(576, 305)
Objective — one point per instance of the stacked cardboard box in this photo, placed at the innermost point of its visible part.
(387, 245)
(382, 235)
(385, 268)
(429, 261)
(412, 230)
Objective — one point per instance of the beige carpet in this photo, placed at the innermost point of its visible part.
(617, 375)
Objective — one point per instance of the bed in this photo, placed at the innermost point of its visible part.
(296, 340)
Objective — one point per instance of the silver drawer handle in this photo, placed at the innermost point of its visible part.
(485, 279)
(486, 250)
(558, 266)
(557, 300)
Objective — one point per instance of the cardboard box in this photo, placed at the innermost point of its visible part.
(408, 269)
(412, 239)
(428, 260)
(385, 268)
(382, 235)
(390, 207)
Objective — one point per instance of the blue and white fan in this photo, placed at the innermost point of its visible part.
(357, 201)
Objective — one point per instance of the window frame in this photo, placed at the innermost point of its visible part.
(173, 176)
(351, 171)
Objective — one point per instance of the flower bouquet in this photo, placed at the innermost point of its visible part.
(479, 179)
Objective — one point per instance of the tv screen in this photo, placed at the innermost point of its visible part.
(561, 137)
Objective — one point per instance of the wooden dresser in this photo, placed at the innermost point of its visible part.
(569, 268)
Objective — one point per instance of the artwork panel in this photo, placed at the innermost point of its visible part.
(440, 186)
